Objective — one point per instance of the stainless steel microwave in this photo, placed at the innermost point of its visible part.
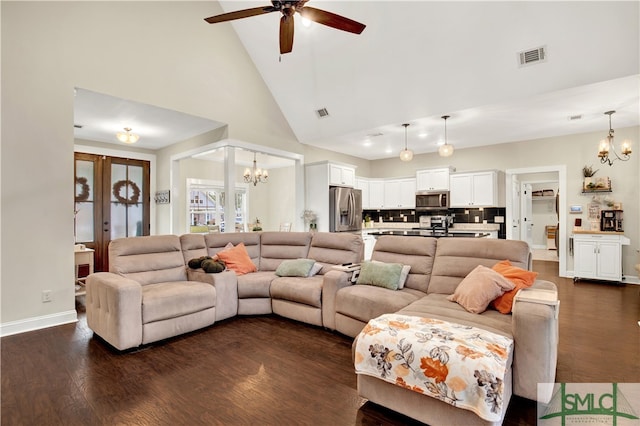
(432, 200)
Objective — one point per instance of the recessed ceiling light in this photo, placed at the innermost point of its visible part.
(422, 135)
(388, 151)
(367, 143)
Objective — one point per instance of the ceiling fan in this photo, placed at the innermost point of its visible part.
(288, 9)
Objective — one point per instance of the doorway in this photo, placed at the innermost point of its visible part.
(521, 216)
(111, 201)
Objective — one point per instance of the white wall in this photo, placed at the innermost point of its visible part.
(574, 151)
(177, 62)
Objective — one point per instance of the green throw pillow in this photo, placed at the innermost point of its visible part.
(380, 274)
(295, 268)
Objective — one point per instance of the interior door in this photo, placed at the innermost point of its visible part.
(526, 214)
(515, 207)
(111, 201)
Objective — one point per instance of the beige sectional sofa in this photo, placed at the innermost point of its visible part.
(150, 294)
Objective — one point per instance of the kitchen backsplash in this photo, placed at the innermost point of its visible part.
(462, 215)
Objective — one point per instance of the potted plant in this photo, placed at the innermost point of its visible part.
(588, 172)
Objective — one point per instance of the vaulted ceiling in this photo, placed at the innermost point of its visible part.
(419, 60)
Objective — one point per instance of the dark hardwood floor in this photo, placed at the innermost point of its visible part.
(269, 370)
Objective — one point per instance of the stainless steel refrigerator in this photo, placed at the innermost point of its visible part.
(345, 209)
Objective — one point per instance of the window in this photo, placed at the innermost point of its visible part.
(206, 201)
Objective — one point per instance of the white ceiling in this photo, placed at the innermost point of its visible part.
(419, 60)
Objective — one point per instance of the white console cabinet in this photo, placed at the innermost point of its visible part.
(598, 256)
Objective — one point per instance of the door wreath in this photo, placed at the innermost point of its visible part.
(135, 192)
(84, 191)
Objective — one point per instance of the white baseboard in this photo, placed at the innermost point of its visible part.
(37, 323)
(626, 279)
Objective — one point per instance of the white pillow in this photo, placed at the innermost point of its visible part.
(315, 269)
(403, 274)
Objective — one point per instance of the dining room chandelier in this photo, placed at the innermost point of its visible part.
(445, 150)
(127, 136)
(255, 175)
(406, 154)
(606, 147)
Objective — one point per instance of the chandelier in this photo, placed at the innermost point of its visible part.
(127, 136)
(606, 146)
(445, 150)
(406, 154)
(255, 175)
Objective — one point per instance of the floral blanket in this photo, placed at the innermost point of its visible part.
(461, 365)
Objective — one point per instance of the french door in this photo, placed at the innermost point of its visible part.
(111, 201)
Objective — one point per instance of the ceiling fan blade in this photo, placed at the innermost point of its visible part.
(331, 19)
(239, 14)
(286, 34)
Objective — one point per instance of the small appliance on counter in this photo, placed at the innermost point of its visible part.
(611, 220)
(440, 223)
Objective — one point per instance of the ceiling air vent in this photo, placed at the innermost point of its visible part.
(532, 56)
(77, 126)
(322, 112)
(575, 117)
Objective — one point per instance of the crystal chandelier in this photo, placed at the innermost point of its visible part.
(255, 175)
(606, 146)
(127, 136)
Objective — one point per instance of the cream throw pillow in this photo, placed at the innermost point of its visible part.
(479, 288)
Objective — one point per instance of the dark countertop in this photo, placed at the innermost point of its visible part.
(430, 233)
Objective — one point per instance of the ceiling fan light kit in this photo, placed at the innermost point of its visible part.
(288, 10)
(606, 146)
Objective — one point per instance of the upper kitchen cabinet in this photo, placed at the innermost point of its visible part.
(376, 194)
(363, 185)
(477, 189)
(400, 193)
(342, 175)
(433, 179)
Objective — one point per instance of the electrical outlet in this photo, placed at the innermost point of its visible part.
(46, 296)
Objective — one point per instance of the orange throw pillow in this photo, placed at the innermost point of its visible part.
(520, 277)
(237, 259)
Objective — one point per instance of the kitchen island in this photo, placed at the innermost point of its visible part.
(429, 233)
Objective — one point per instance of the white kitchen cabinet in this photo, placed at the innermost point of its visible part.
(376, 194)
(342, 175)
(400, 193)
(598, 256)
(363, 185)
(477, 189)
(433, 179)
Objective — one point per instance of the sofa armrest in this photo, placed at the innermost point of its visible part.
(333, 281)
(535, 332)
(114, 309)
(226, 285)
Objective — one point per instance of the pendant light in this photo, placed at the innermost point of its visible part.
(406, 154)
(606, 146)
(445, 150)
